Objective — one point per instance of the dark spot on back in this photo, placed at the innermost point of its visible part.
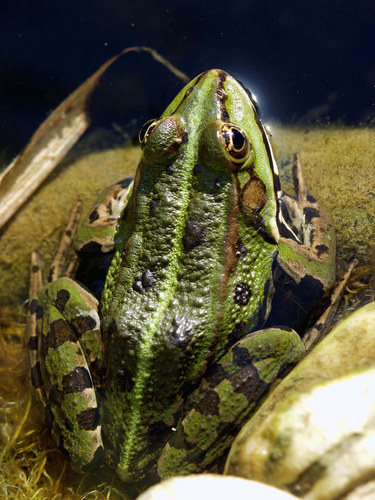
(241, 250)
(153, 205)
(149, 279)
(194, 235)
(242, 294)
(145, 281)
(179, 334)
(137, 285)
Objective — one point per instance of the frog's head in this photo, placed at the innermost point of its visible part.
(213, 122)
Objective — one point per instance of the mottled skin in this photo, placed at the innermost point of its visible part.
(203, 235)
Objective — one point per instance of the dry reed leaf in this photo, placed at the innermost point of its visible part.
(54, 139)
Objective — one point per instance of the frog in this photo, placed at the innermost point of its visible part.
(153, 361)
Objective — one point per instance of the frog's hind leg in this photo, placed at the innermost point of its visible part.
(66, 367)
(228, 395)
(65, 358)
(63, 334)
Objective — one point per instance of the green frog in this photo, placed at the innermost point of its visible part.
(212, 268)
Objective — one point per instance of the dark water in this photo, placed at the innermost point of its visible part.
(305, 61)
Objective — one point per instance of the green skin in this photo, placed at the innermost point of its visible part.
(158, 381)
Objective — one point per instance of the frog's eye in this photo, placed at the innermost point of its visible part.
(235, 142)
(225, 146)
(145, 131)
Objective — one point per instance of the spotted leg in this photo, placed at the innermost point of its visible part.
(229, 394)
(68, 366)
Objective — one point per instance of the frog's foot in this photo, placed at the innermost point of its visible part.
(228, 395)
(65, 358)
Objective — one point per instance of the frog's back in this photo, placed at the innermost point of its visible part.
(183, 279)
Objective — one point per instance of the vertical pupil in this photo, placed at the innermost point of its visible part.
(238, 139)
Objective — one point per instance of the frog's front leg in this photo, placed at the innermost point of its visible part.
(229, 394)
(67, 367)
(307, 235)
(95, 241)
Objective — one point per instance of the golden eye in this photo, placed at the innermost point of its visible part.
(146, 131)
(235, 142)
